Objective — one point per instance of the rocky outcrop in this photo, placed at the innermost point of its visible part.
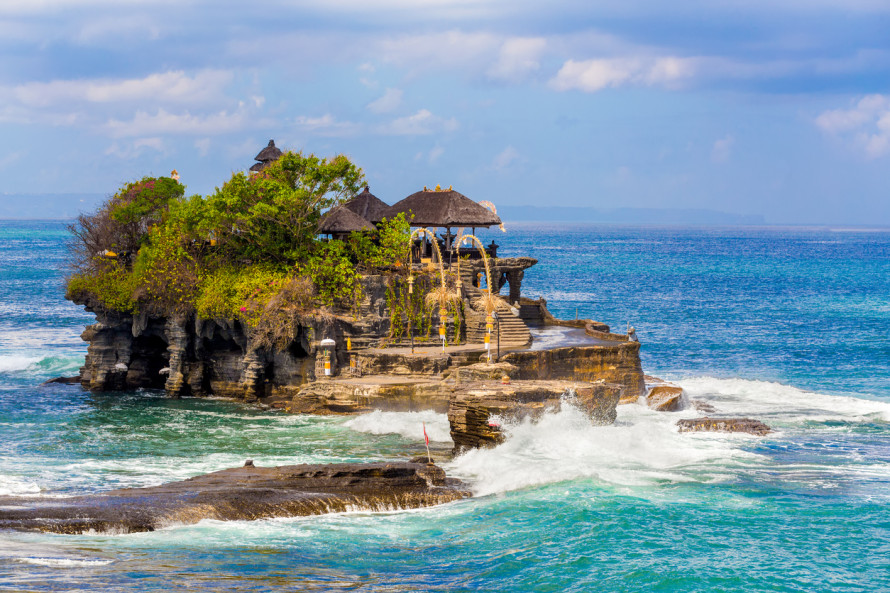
(477, 411)
(386, 363)
(707, 424)
(665, 398)
(239, 494)
(186, 355)
(356, 397)
(485, 371)
(618, 363)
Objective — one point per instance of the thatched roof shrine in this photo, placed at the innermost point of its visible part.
(341, 220)
(444, 208)
(267, 155)
(368, 206)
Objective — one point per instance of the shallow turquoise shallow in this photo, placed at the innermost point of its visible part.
(791, 326)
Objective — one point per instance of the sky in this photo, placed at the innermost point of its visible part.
(779, 109)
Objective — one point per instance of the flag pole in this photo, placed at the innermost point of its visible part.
(426, 439)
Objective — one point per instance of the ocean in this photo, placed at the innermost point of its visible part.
(790, 326)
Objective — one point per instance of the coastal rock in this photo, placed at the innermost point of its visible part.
(477, 411)
(64, 380)
(618, 363)
(665, 398)
(485, 371)
(239, 494)
(386, 363)
(707, 424)
(356, 397)
(703, 407)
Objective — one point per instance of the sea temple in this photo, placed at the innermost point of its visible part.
(291, 289)
(448, 328)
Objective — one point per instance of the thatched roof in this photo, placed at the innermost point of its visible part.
(444, 208)
(368, 206)
(257, 167)
(340, 219)
(268, 154)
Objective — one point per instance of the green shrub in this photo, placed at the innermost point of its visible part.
(336, 280)
(110, 283)
(166, 272)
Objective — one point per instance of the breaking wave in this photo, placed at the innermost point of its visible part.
(40, 364)
(782, 404)
(643, 447)
(406, 424)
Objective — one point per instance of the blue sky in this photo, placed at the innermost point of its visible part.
(779, 109)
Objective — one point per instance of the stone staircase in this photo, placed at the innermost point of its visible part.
(513, 330)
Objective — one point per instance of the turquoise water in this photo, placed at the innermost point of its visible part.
(787, 326)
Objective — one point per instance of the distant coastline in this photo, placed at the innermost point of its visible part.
(62, 207)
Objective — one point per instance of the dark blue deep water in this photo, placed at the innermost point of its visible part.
(790, 326)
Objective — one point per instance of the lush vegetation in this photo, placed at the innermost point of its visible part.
(250, 251)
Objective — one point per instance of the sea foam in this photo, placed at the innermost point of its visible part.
(782, 404)
(14, 486)
(643, 447)
(406, 424)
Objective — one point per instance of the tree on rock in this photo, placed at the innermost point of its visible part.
(273, 214)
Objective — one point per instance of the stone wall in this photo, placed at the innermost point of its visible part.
(619, 364)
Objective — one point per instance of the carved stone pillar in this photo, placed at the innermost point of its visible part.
(514, 277)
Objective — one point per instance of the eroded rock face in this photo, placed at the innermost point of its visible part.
(384, 363)
(189, 356)
(239, 494)
(707, 424)
(342, 397)
(618, 364)
(485, 371)
(477, 411)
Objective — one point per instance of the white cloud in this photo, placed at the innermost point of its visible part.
(436, 50)
(165, 87)
(10, 159)
(105, 28)
(163, 122)
(722, 149)
(389, 102)
(24, 7)
(517, 58)
(421, 123)
(594, 75)
(866, 124)
(202, 145)
(326, 125)
(135, 148)
(505, 158)
(435, 153)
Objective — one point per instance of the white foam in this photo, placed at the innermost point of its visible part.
(406, 424)
(782, 404)
(643, 447)
(65, 562)
(17, 363)
(13, 486)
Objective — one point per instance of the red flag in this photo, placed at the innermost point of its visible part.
(425, 435)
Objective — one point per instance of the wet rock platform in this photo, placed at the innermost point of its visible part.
(239, 494)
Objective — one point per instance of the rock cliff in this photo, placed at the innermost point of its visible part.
(186, 355)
